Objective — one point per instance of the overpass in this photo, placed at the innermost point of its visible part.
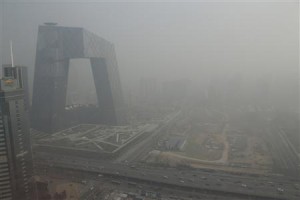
(193, 180)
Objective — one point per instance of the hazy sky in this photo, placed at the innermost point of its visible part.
(169, 40)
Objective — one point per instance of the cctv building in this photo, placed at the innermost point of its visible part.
(56, 45)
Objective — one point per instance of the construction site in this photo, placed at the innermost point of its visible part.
(218, 145)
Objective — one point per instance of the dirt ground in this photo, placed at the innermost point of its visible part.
(214, 150)
(56, 185)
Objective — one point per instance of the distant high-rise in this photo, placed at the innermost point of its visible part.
(175, 92)
(23, 81)
(56, 45)
(15, 148)
(148, 91)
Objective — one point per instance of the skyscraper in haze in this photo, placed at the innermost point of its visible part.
(23, 81)
(56, 46)
(15, 148)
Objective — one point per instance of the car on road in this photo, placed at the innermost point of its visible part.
(271, 183)
(116, 182)
(280, 190)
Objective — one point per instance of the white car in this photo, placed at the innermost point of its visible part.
(280, 190)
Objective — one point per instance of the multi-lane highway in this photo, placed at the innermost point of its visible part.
(271, 187)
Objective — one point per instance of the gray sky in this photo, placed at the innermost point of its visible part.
(170, 40)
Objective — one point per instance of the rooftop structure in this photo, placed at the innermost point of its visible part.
(99, 139)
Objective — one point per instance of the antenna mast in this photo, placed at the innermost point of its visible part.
(11, 54)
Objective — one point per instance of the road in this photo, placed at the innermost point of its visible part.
(219, 182)
(141, 149)
(286, 160)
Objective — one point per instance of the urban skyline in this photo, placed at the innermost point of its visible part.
(181, 100)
